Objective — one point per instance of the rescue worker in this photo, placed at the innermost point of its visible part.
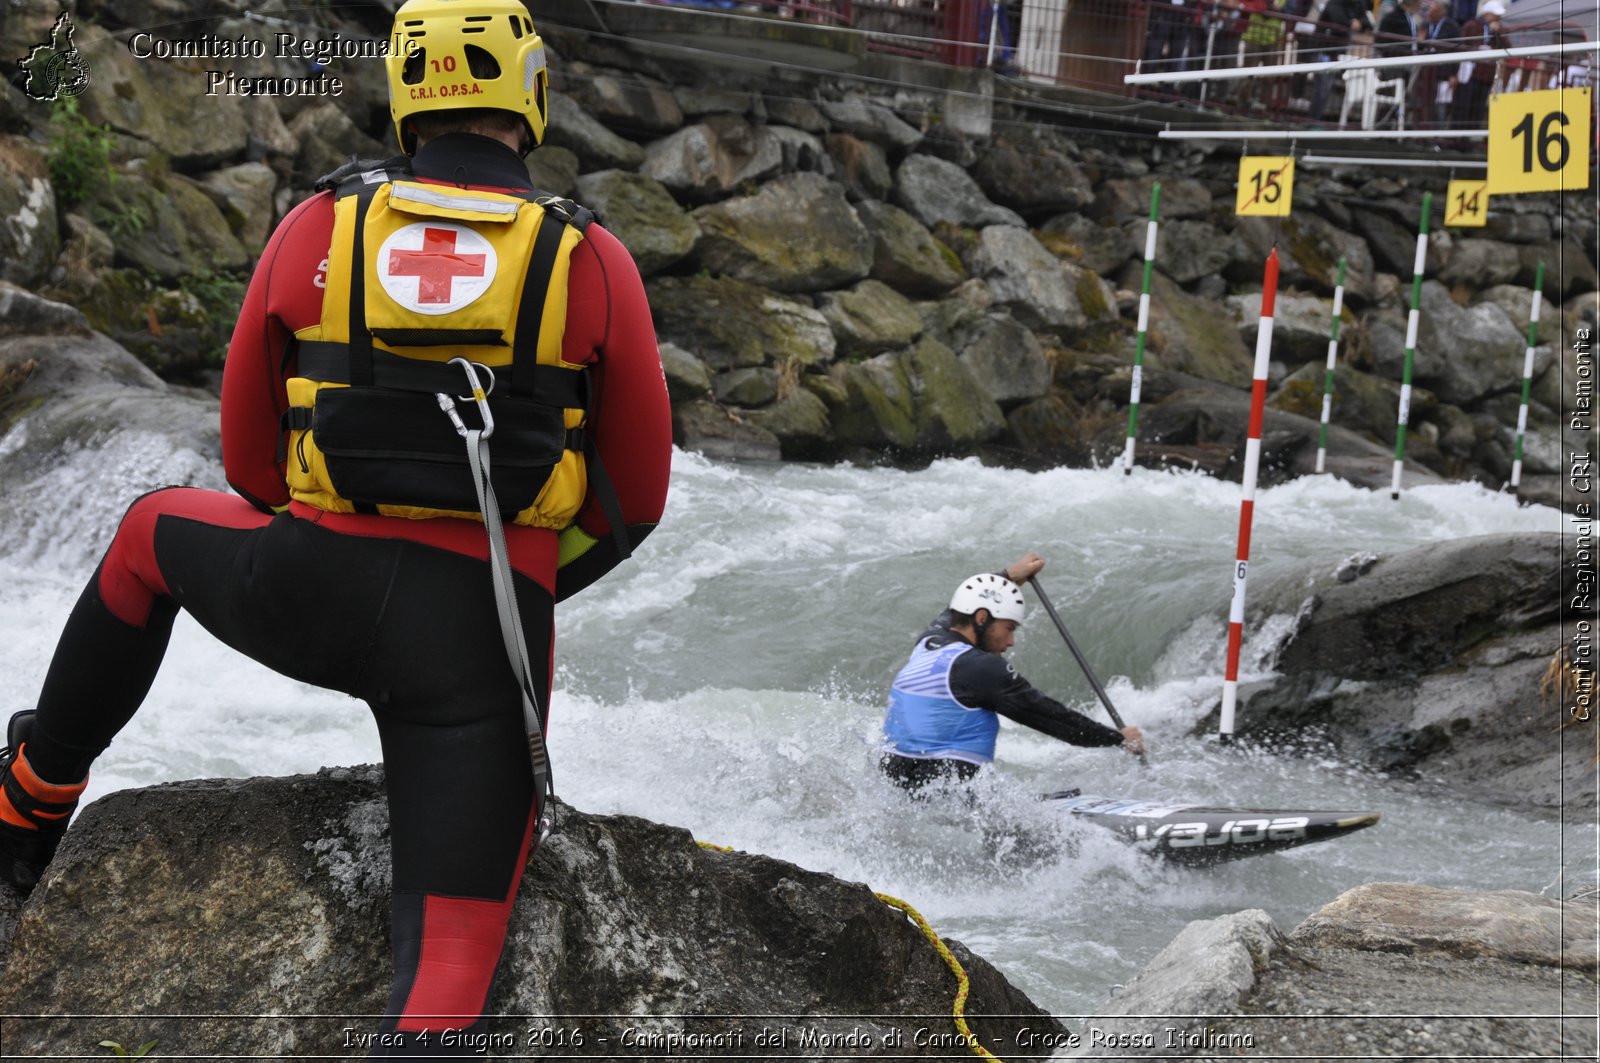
(339, 564)
(945, 704)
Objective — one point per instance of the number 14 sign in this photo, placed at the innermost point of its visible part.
(1539, 141)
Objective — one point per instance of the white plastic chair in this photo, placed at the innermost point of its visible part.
(1363, 87)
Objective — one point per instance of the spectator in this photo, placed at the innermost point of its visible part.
(1263, 41)
(1172, 41)
(1435, 84)
(1475, 78)
(1340, 20)
(1399, 30)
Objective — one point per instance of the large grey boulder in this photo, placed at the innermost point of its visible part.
(160, 102)
(1098, 244)
(717, 432)
(1309, 248)
(800, 422)
(1366, 404)
(1006, 359)
(1481, 263)
(1462, 698)
(729, 323)
(597, 147)
(871, 121)
(1190, 334)
(935, 190)
(640, 212)
(169, 227)
(245, 194)
(724, 153)
(1489, 973)
(1041, 290)
(1186, 250)
(327, 139)
(279, 905)
(637, 106)
(1300, 325)
(797, 233)
(1033, 171)
(905, 255)
(29, 228)
(921, 399)
(1473, 351)
(870, 318)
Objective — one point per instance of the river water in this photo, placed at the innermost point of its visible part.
(730, 680)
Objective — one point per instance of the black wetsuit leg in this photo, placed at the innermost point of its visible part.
(410, 629)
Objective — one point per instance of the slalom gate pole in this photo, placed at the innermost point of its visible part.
(1527, 376)
(1144, 323)
(1252, 465)
(1411, 344)
(1327, 380)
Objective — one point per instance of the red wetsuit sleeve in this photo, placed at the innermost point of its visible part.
(285, 294)
(609, 326)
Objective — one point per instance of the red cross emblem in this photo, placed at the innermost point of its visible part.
(452, 266)
(436, 266)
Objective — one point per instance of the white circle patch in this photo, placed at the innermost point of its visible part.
(435, 267)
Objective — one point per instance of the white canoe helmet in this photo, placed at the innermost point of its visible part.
(988, 591)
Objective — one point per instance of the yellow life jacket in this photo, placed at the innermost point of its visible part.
(419, 274)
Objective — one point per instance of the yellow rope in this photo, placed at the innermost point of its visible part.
(963, 984)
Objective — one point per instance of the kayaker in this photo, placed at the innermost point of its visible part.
(945, 704)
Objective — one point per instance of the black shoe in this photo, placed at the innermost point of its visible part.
(25, 851)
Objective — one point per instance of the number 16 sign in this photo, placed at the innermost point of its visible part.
(1539, 141)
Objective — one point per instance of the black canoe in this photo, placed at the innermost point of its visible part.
(1198, 834)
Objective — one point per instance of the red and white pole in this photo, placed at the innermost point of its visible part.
(1252, 464)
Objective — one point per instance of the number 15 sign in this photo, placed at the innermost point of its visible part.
(1539, 141)
(1266, 186)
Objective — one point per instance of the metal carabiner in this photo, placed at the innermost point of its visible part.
(479, 394)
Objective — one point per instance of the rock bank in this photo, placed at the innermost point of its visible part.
(1437, 662)
(1388, 970)
(199, 911)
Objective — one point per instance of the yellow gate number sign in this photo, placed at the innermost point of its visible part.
(1540, 141)
(1467, 203)
(1266, 186)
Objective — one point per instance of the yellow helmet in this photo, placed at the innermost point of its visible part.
(454, 54)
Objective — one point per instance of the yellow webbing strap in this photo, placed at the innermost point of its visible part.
(959, 1008)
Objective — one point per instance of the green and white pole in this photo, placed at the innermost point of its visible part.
(1144, 324)
(1333, 358)
(1411, 344)
(1527, 376)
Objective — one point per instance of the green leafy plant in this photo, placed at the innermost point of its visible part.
(118, 1050)
(122, 222)
(80, 155)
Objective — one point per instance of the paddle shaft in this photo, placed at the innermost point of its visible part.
(1073, 646)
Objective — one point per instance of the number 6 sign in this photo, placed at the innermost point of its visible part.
(1539, 141)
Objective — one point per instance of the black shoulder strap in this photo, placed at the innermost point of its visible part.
(360, 350)
(535, 293)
